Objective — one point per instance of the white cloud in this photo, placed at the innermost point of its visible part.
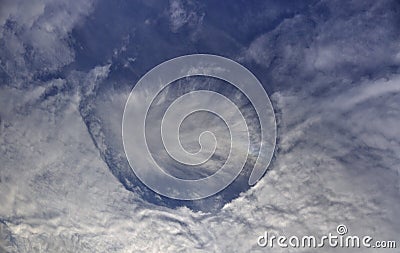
(61, 196)
(367, 91)
(329, 42)
(183, 13)
(337, 160)
(35, 34)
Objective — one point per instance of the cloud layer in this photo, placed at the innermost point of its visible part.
(333, 75)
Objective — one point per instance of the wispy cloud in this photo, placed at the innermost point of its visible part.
(333, 75)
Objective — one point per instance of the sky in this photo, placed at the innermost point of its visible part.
(331, 70)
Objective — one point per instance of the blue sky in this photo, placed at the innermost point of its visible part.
(331, 69)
